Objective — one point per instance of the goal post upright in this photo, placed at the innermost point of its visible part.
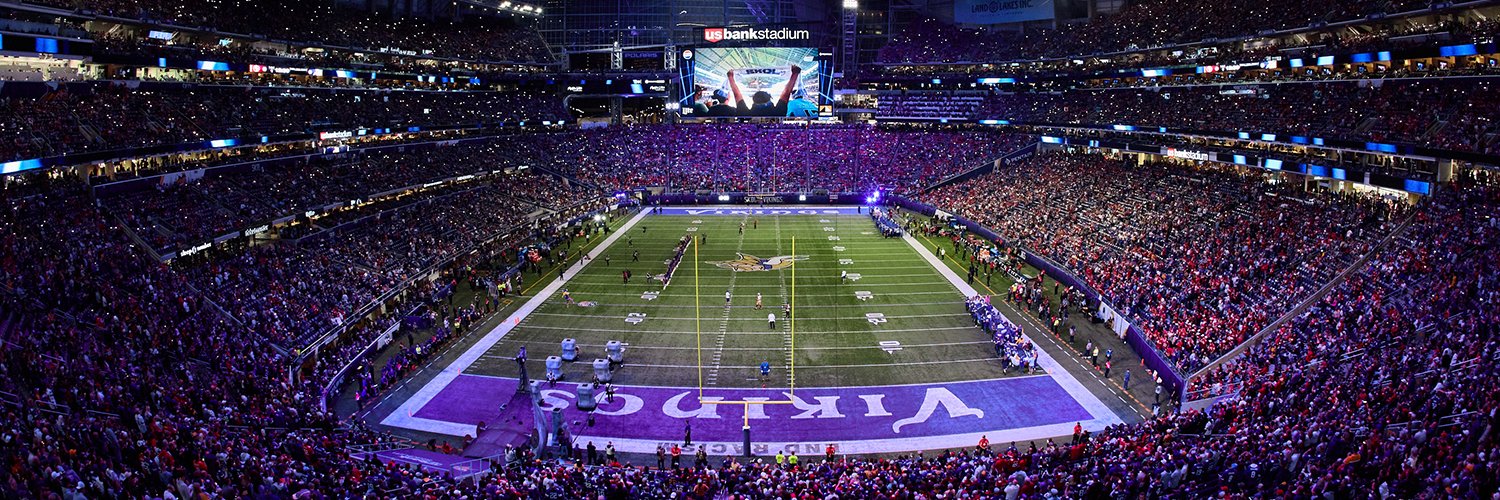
(698, 316)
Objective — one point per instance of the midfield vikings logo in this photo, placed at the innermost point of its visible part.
(749, 263)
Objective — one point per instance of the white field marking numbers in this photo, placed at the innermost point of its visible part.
(846, 262)
(854, 276)
(867, 232)
(833, 238)
(635, 318)
(825, 221)
(693, 229)
(828, 229)
(890, 345)
(697, 221)
(838, 248)
(650, 295)
(875, 318)
(864, 295)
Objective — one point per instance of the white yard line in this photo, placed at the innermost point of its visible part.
(816, 367)
(969, 328)
(637, 347)
(724, 321)
(713, 371)
(786, 323)
(907, 284)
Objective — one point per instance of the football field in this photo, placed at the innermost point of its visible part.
(879, 355)
(893, 320)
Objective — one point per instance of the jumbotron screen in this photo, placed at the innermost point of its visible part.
(753, 81)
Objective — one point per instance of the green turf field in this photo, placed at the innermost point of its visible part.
(833, 340)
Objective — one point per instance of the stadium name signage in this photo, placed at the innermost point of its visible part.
(1190, 155)
(193, 250)
(342, 134)
(716, 35)
(400, 52)
(257, 230)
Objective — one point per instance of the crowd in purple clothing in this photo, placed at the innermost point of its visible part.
(1452, 114)
(1198, 257)
(92, 117)
(769, 158)
(1139, 25)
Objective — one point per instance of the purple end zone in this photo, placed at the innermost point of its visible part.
(824, 414)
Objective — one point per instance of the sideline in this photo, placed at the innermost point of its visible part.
(404, 415)
(1103, 416)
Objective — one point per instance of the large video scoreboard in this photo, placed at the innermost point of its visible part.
(728, 82)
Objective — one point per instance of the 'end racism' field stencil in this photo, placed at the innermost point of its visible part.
(647, 415)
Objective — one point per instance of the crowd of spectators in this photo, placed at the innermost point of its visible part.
(188, 212)
(769, 158)
(323, 23)
(1198, 257)
(1138, 26)
(1430, 292)
(1444, 114)
(289, 295)
(102, 117)
(119, 379)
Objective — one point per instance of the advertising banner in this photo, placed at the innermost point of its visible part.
(1001, 11)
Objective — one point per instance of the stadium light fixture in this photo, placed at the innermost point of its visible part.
(851, 4)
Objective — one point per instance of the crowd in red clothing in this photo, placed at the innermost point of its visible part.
(1198, 257)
